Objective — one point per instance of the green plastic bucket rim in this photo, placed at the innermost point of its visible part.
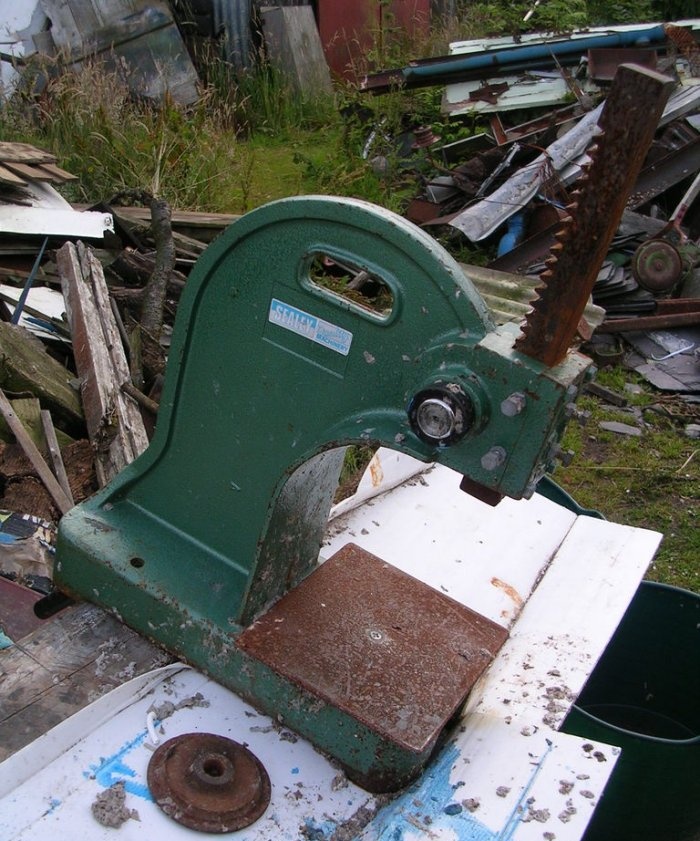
(693, 740)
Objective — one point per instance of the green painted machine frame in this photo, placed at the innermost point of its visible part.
(270, 376)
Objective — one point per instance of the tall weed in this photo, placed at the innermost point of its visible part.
(193, 157)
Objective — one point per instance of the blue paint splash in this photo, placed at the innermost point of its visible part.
(319, 830)
(54, 803)
(113, 769)
(438, 810)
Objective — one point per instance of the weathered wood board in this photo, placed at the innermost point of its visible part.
(113, 419)
(74, 658)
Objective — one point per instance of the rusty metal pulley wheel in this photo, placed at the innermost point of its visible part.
(208, 782)
(657, 266)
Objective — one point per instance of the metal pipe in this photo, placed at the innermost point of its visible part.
(17, 314)
(446, 69)
(503, 58)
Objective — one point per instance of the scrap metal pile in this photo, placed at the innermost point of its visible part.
(508, 188)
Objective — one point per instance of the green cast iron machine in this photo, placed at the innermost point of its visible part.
(209, 542)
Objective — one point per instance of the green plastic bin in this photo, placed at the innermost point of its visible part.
(644, 696)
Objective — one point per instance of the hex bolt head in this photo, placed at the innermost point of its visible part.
(582, 416)
(513, 404)
(494, 458)
(562, 455)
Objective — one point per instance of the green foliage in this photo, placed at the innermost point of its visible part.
(621, 11)
(499, 18)
(97, 131)
(193, 157)
(674, 9)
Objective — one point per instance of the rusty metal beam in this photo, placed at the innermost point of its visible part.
(670, 312)
(627, 123)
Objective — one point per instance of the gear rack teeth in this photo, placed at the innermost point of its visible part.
(615, 157)
(563, 234)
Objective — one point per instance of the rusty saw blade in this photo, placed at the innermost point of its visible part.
(627, 125)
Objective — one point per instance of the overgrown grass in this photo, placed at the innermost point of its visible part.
(211, 156)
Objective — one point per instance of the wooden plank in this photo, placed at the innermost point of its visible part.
(72, 659)
(70, 20)
(186, 218)
(39, 172)
(203, 227)
(113, 419)
(561, 583)
(294, 47)
(63, 503)
(467, 549)
(52, 221)
(24, 153)
(566, 623)
(111, 10)
(28, 410)
(9, 177)
(17, 602)
(55, 173)
(28, 367)
(27, 171)
(55, 453)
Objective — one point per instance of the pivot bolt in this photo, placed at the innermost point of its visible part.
(435, 418)
(574, 413)
(441, 414)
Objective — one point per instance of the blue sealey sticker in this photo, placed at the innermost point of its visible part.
(310, 327)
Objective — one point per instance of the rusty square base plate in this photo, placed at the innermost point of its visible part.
(378, 645)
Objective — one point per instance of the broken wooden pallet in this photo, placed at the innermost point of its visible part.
(22, 162)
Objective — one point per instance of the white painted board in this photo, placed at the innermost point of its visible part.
(48, 788)
(560, 583)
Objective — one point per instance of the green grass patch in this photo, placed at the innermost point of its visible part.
(651, 482)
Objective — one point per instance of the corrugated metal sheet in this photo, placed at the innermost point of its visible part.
(137, 36)
(232, 18)
(348, 30)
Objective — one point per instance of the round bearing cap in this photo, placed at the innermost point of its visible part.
(441, 414)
